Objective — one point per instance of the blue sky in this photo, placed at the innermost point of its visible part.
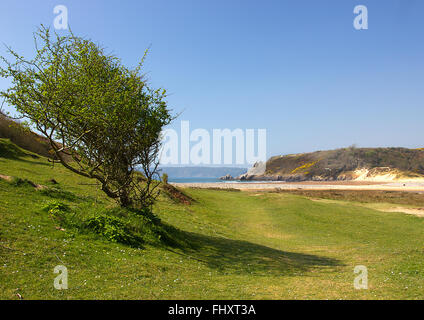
(296, 68)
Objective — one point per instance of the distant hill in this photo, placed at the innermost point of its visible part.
(373, 164)
(23, 137)
(202, 172)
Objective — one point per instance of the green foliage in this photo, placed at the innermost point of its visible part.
(370, 153)
(144, 226)
(94, 110)
(57, 210)
(56, 206)
(113, 229)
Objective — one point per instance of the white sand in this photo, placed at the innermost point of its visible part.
(326, 185)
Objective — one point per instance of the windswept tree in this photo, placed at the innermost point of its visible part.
(102, 119)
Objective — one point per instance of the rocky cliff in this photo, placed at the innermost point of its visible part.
(372, 164)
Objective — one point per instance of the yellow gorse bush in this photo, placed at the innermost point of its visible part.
(305, 166)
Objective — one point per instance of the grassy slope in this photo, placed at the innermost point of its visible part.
(244, 245)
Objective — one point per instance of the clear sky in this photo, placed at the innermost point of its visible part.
(296, 68)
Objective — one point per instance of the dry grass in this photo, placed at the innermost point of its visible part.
(23, 137)
(364, 196)
(176, 194)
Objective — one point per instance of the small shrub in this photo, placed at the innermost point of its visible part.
(165, 178)
(144, 225)
(58, 211)
(112, 229)
(176, 195)
(56, 208)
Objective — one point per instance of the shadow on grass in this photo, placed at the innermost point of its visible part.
(57, 193)
(241, 257)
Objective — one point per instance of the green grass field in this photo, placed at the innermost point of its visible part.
(225, 245)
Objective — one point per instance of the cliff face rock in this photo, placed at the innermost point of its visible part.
(258, 169)
(365, 164)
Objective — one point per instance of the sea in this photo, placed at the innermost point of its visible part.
(194, 180)
(214, 180)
